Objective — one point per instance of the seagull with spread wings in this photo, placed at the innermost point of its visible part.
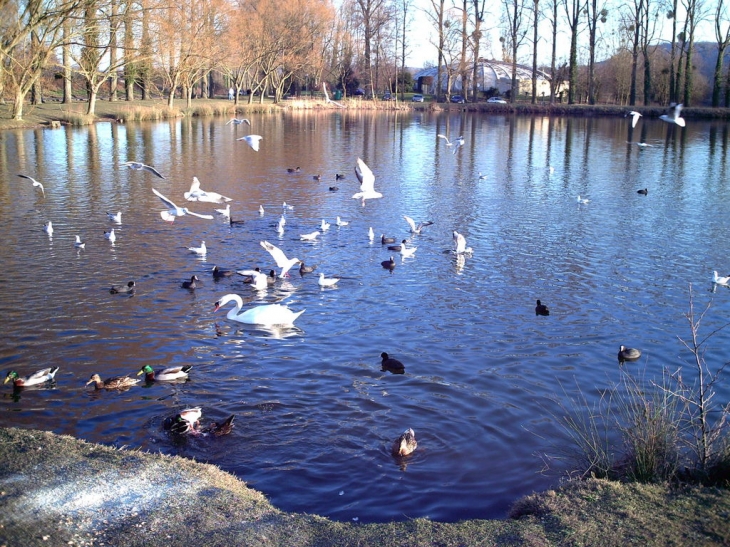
(35, 183)
(175, 211)
(367, 182)
(137, 166)
(281, 260)
(252, 140)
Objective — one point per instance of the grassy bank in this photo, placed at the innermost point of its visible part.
(45, 114)
(57, 490)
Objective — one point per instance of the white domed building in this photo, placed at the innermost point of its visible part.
(492, 75)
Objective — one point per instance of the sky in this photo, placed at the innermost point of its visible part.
(422, 35)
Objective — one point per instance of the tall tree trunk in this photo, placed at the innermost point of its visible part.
(91, 108)
(639, 9)
(463, 71)
(553, 55)
(535, 21)
(130, 65)
(146, 69)
(477, 38)
(672, 56)
(36, 92)
(113, 53)
(66, 60)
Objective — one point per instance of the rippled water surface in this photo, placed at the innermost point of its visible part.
(315, 416)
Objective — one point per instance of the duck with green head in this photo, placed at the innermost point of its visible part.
(165, 375)
(40, 377)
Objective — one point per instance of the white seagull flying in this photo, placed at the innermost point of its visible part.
(137, 166)
(35, 183)
(252, 140)
(367, 182)
(175, 211)
(280, 258)
(416, 228)
(673, 115)
(634, 117)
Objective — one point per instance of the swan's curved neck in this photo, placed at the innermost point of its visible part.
(237, 308)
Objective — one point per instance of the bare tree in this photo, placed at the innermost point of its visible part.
(595, 13)
(723, 39)
(573, 9)
(438, 18)
(695, 14)
(516, 32)
(476, 38)
(31, 34)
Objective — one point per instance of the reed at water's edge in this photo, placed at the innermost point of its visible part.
(53, 113)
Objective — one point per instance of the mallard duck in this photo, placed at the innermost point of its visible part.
(628, 354)
(405, 444)
(115, 382)
(392, 365)
(40, 377)
(122, 289)
(165, 375)
(220, 429)
(183, 422)
(541, 309)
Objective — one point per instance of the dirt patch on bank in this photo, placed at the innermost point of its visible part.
(56, 490)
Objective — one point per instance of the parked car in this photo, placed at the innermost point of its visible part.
(496, 100)
(457, 99)
(359, 92)
(387, 96)
(417, 98)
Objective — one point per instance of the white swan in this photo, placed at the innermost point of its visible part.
(367, 182)
(175, 211)
(196, 194)
(268, 314)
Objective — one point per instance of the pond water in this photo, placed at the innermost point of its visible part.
(315, 415)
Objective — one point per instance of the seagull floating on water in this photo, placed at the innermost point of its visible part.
(261, 210)
(324, 226)
(115, 217)
(175, 211)
(35, 183)
(367, 182)
(252, 140)
(327, 281)
(137, 166)
(110, 235)
(310, 236)
(460, 244)
(673, 115)
(725, 280)
(201, 251)
(280, 226)
(196, 194)
(48, 228)
(342, 222)
(280, 258)
(371, 234)
(286, 207)
(79, 244)
(582, 200)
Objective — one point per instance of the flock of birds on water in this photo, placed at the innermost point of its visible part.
(187, 421)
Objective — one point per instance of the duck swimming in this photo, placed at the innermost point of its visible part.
(405, 444)
(220, 429)
(190, 284)
(388, 264)
(165, 375)
(40, 377)
(122, 289)
(116, 382)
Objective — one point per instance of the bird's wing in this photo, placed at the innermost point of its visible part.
(35, 182)
(277, 254)
(152, 170)
(166, 201)
(410, 222)
(195, 186)
(248, 272)
(189, 212)
(365, 176)
(444, 137)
